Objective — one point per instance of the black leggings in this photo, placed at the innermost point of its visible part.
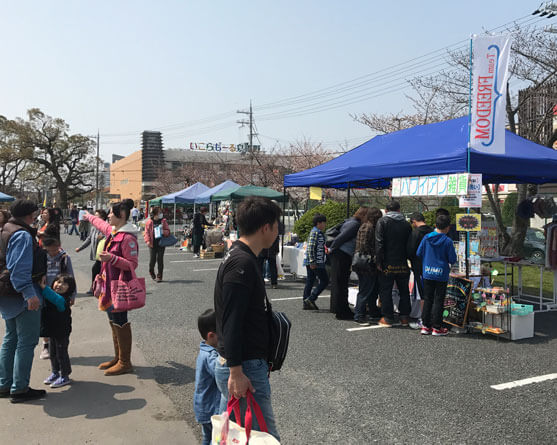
(156, 256)
(95, 270)
(59, 357)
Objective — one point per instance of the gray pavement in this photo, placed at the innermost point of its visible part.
(336, 386)
(123, 409)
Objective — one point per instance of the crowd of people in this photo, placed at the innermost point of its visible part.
(382, 250)
(38, 289)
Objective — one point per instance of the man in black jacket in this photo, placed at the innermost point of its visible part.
(391, 239)
(420, 229)
(198, 229)
(243, 312)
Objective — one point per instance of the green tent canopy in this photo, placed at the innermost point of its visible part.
(239, 193)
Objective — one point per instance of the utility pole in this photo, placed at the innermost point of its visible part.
(251, 133)
(97, 173)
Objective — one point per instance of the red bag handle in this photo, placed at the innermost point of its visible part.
(234, 405)
(252, 408)
(258, 415)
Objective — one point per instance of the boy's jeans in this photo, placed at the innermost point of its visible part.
(323, 277)
(434, 295)
(16, 354)
(207, 433)
(257, 371)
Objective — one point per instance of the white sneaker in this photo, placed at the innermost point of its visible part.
(45, 355)
(416, 324)
(195, 255)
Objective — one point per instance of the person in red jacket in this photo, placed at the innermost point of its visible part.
(120, 255)
(155, 228)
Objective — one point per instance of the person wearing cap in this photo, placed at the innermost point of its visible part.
(20, 301)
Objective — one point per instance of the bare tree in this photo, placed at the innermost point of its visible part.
(445, 96)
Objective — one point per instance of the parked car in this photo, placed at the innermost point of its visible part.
(534, 245)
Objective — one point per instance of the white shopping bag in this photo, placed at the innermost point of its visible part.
(227, 432)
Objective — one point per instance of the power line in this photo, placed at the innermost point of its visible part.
(337, 94)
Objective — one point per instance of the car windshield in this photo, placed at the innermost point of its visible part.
(537, 235)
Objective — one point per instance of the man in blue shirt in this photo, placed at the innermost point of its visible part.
(20, 302)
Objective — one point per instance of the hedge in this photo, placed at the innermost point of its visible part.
(333, 210)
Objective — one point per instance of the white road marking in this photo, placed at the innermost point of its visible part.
(517, 383)
(202, 270)
(295, 298)
(377, 326)
(195, 261)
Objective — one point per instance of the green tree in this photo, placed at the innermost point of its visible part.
(509, 209)
(334, 211)
(66, 161)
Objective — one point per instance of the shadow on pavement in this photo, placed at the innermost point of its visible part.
(94, 400)
(176, 374)
(90, 361)
(182, 281)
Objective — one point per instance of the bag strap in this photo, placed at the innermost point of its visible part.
(234, 405)
(258, 415)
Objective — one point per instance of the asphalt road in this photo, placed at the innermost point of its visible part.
(358, 387)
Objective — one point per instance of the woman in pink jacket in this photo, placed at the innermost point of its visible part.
(156, 252)
(120, 254)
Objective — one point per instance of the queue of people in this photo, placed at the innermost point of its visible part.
(379, 248)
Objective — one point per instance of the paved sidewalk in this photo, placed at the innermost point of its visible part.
(125, 409)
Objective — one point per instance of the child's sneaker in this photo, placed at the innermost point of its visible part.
(61, 381)
(416, 324)
(44, 355)
(425, 331)
(439, 332)
(51, 378)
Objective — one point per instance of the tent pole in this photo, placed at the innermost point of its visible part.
(467, 253)
(174, 218)
(348, 201)
(283, 224)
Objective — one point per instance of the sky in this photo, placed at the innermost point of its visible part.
(184, 68)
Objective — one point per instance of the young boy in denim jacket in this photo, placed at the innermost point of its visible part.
(206, 398)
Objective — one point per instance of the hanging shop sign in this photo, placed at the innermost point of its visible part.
(436, 185)
(471, 222)
(490, 60)
(473, 199)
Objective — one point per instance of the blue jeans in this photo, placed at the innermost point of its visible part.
(257, 371)
(321, 274)
(207, 432)
(74, 227)
(367, 296)
(16, 354)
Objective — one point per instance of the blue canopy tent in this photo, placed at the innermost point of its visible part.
(6, 198)
(205, 197)
(433, 149)
(186, 196)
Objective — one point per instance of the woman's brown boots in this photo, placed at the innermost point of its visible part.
(121, 364)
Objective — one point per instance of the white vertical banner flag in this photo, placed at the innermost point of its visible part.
(490, 61)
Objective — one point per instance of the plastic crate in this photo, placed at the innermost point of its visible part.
(521, 309)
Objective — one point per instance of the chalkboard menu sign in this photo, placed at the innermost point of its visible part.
(457, 301)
